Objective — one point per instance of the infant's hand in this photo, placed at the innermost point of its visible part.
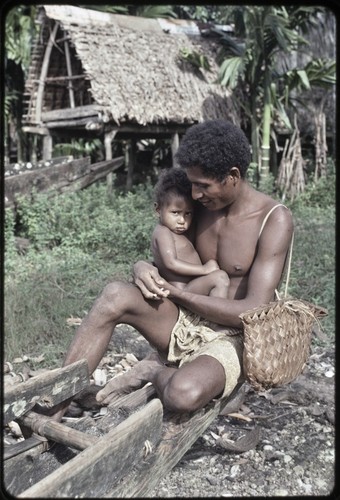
(211, 266)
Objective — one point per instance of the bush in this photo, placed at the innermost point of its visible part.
(79, 242)
(319, 193)
(119, 226)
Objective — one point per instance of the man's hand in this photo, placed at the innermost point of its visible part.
(148, 280)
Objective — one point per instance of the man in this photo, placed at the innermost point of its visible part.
(198, 338)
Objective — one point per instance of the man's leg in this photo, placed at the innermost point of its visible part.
(183, 389)
(119, 303)
(191, 386)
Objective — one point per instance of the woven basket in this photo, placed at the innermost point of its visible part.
(277, 338)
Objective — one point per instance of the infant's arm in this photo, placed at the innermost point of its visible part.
(165, 253)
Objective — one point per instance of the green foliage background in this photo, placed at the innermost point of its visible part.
(81, 241)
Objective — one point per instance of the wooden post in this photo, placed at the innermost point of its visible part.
(174, 147)
(43, 73)
(130, 162)
(69, 73)
(47, 147)
(60, 433)
(47, 390)
(109, 136)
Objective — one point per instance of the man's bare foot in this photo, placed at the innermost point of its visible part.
(142, 372)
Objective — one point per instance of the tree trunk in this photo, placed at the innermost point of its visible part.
(320, 145)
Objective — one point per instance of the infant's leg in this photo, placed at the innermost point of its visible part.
(215, 284)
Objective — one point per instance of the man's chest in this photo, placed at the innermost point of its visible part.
(232, 243)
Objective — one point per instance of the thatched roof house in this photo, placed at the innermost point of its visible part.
(95, 73)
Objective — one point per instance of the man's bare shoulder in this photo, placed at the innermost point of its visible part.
(277, 224)
(280, 212)
(274, 209)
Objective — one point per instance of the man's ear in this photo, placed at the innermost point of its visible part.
(235, 175)
(235, 172)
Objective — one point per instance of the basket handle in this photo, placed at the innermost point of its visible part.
(290, 252)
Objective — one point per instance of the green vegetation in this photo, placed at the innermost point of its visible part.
(81, 241)
(78, 243)
(257, 59)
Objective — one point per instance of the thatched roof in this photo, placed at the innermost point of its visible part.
(133, 70)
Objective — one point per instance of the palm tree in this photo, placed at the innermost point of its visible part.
(249, 66)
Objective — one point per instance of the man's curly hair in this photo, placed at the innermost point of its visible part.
(215, 147)
(172, 181)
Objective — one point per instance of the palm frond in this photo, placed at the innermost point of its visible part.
(318, 72)
(230, 71)
(321, 72)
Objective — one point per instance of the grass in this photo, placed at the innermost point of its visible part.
(45, 294)
(313, 264)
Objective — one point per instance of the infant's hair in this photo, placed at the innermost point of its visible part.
(172, 181)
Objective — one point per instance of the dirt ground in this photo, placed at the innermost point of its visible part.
(291, 435)
(295, 455)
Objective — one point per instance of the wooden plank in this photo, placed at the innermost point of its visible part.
(43, 179)
(60, 433)
(52, 79)
(22, 470)
(47, 389)
(24, 446)
(65, 177)
(134, 399)
(95, 470)
(77, 122)
(178, 435)
(93, 176)
(35, 130)
(70, 113)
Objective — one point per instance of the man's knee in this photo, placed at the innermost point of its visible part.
(183, 395)
(113, 297)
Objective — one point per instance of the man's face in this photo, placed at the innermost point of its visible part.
(211, 193)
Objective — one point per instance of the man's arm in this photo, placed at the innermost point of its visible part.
(263, 279)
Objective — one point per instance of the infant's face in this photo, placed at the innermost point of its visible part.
(176, 214)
